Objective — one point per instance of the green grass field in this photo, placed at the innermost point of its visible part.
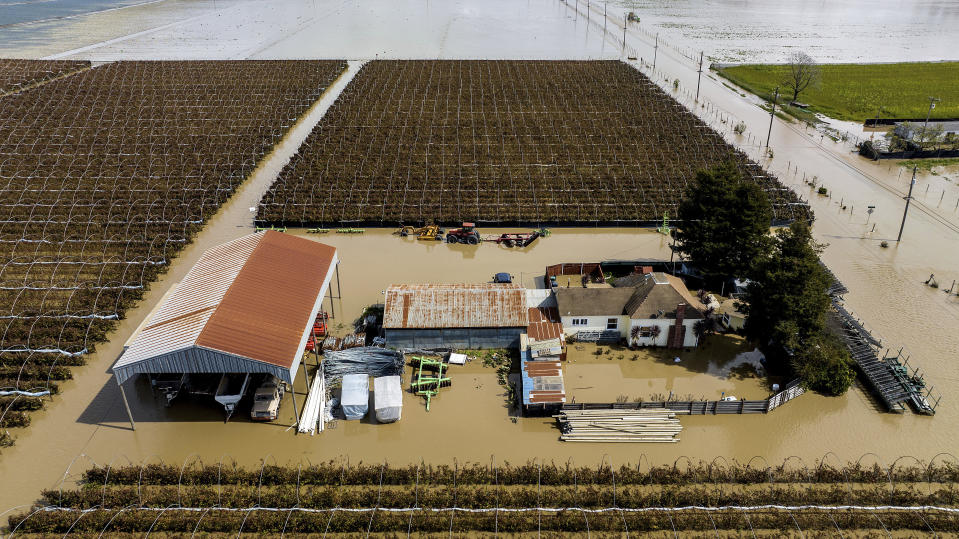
(856, 91)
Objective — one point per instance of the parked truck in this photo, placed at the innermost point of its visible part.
(266, 399)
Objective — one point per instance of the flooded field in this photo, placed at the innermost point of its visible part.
(469, 421)
(759, 32)
(214, 29)
(471, 416)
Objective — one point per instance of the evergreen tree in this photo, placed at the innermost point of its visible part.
(785, 304)
(724, 223)
(824, 365)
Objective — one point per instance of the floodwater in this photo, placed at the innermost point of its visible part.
(469, 421)
(724, 365)
(215, 29)
(849, 31)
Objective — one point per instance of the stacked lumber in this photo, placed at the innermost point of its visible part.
(618, 425)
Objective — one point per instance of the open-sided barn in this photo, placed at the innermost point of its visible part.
(247, 306)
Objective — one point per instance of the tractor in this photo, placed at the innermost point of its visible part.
(466, 234)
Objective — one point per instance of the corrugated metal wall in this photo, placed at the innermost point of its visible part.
(199, 360)
(472, 338)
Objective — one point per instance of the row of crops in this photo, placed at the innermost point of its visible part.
(17, 74)
(562, 142)
(105, 175)
(912, 499)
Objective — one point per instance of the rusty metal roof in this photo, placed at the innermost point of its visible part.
(544, 323)
(434, 306)
(253, 297)
(542, 381)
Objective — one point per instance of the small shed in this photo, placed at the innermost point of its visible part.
(355, 395)
(541, 371)
(466, 316)
(387, 398)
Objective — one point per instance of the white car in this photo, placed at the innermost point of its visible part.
(266, 399)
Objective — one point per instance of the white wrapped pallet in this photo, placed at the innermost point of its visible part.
(355, 395)
(387, 398)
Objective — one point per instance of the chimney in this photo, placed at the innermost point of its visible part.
(677, 333)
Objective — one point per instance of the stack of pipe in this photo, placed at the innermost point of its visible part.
(619, 426)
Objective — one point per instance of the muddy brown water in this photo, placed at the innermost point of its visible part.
(470, 420)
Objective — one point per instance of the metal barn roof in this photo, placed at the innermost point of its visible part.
(245, 306)
(433, 306)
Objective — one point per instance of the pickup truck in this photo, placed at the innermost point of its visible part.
(266, 399)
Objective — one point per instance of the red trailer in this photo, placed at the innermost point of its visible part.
(515, 239)
(319, 331)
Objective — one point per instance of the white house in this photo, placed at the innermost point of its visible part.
(657, 310)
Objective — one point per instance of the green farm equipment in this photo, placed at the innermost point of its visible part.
(664, 228)
(427, 384)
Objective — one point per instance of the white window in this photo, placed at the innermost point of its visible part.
(612, 323)
(580, 321)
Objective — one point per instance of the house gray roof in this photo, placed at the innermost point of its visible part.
(592, 301)
(654, 296)
(658, 296)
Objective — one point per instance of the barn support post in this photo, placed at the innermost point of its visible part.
(339, 293)
(306, 375)
(329, 294)
(296, 413)
(123, 394)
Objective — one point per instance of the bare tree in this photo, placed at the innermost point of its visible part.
(803, 71)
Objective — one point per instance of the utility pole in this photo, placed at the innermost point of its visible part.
(908, 199)
(655, 50)
(772, 113)
(876, 125)
(604, 20)
(932, 105)
(625, 21)
(700, 76)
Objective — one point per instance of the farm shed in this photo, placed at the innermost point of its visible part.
(246, 306)
(455, 315)
(541, 371)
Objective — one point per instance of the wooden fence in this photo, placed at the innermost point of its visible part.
(793, 389)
